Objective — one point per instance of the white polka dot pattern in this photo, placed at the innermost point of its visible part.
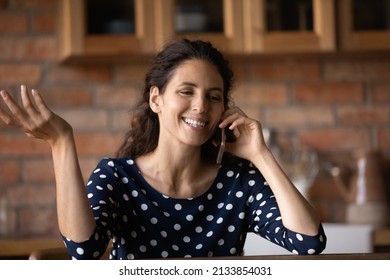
(144, 223)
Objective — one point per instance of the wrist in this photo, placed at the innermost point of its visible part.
(63, 139)
(263, 157)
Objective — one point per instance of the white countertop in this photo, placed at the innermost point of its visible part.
(342, 238)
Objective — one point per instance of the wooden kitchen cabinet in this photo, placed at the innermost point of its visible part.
(289, 26)
(75, 40)
(364, 25)
(218, 21)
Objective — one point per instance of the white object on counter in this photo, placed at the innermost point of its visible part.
(342, 238)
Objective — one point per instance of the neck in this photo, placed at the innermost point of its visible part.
(178, 173)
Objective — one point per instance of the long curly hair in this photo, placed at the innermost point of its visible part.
(142, 138)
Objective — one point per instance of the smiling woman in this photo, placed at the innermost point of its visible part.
(165, 195)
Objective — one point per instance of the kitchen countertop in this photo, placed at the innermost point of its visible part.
(341, 238)
(21, 247)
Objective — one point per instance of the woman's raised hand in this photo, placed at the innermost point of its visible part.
(33, 116)
(248, 133)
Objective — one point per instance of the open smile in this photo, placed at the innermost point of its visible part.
(194, 123)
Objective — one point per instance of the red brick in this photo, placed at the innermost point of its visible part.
(27, 48)
(41, 4)
(61, 74)
(252, 112)
(88, 164)
(33, 196)
(44, 22)
(66, 96)
(39, 171)
(21, 145)
(299, 116)
(10, 172)
(120, 119)
(324, 187)
(260, 94)
(384, 139)
(39, 221)
(86, 119)
(364, 69)
(285, 69)
(13, 23)
(9, 227)
(18, 74)
(329, 93)
(337, 139)
(323, 210)
(380, 92)
(239, 67)
(98, 144)
(134, 73)
(3, 4)
(359, 115)
(110, 96)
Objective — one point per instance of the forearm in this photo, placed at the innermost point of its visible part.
(297, 213)
(75, 216)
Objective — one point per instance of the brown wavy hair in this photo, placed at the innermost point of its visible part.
(142, 138)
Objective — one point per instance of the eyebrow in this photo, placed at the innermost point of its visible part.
(194, 85)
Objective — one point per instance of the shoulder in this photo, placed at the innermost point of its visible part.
(237, 167)
(115, 165)
(116, 162)
(237, 164)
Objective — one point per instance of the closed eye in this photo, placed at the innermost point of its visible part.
(185, 92)
(215, 98)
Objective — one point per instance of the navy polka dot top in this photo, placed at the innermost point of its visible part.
(143, 223)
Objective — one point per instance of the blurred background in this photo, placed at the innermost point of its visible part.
(315, 73)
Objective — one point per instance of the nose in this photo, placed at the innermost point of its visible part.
(200, 104)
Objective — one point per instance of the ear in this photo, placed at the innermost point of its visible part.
(155, 99)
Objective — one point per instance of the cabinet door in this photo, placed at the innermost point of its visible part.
(364, 25)
(99, 29)
(289, 26)
(217, 21)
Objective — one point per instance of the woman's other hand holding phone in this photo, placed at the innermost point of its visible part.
(249, 139)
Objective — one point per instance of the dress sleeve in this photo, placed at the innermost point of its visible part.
(102, 198)
(266, 221)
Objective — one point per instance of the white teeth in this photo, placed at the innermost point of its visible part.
(195, 123)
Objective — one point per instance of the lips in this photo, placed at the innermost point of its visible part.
(194, 123)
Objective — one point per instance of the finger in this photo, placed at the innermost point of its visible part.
(7, 119)
(40, 103)
(26, 101)
(231, 120)
(12, 106)
(232, 113)
(234, 110)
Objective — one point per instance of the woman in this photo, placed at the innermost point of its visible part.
(165, 195)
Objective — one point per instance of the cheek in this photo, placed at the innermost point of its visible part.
(173, 109)
(177, 105)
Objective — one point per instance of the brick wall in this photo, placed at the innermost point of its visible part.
(334, 102)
